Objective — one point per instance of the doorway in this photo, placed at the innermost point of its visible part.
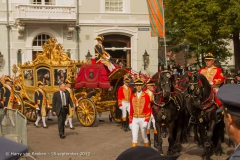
(119, 47)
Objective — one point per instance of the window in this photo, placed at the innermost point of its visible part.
(37, 44)
(19, 56)
(40, 39)
(114, 5)
(43, 2)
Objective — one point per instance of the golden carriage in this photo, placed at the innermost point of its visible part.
(53, 66)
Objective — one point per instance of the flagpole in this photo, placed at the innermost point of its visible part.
(164, 37)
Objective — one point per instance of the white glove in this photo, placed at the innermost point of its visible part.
(19, 103)
(37, 109)
(120, 107)
(77, 105)
(130, 126)
(211, 83)
(108, 57)
(145, 124)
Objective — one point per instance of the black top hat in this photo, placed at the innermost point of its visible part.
(139, 81)
(101, 38)
(150, 83)
(8, 79)
(40, 83)
(209, 56)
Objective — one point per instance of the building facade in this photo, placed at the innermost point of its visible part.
(123, 23)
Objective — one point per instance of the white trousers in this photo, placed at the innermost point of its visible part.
(136, 123)
(125, 109)
(152, 119)
(111, 67)
(216, 89)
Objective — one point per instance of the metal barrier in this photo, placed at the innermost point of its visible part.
(13, 126)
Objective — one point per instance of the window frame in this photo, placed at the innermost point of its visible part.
(125, 9)
(43, 2)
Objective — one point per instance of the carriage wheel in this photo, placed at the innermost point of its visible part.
(86, 112)
(30, 113)
(19, 107)
(114, 113)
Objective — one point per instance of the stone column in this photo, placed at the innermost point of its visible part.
(128, 59)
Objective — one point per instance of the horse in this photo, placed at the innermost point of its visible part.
(181, 86)
(167, 110)
(203, 110)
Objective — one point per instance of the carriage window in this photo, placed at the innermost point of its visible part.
(43, 75)
(28, 77)
(60, 75)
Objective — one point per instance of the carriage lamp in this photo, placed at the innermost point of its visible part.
(145, 59)
(185, 47)
(88, 57)
(1, 59)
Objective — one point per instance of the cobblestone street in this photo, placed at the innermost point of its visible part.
(103, 141)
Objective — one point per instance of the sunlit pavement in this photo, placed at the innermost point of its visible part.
(103, 141)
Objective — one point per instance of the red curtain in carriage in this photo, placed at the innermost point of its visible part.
(93, 76)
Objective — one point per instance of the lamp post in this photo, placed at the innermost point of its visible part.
(145, 59)
(88, 57)
(185, 47)
(1, 59)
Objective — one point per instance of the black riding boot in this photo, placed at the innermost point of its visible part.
(148, 136)
(156, 140)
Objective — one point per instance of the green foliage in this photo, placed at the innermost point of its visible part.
(206, 24)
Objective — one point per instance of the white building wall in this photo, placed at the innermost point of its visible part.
(93, 21)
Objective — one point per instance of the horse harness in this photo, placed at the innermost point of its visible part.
(207, 106)
(161, 104)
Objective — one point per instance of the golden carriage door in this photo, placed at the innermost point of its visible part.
(119, 47)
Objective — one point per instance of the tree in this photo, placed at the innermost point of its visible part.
(230, 20)
(202, 24)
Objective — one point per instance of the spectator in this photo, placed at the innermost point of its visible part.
(175, 72)
(178, 67)
(229, 96)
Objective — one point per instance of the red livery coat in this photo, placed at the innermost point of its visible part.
(140, 107)
(214, 74)
(124, 95)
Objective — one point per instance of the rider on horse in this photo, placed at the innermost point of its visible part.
(213, 74)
